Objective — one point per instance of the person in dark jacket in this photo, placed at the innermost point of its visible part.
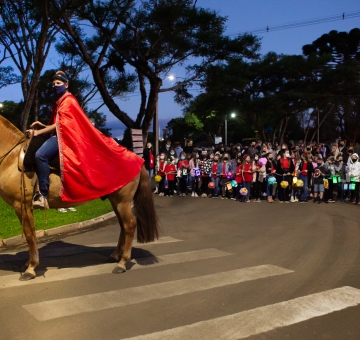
(149, 158)
(284, 169)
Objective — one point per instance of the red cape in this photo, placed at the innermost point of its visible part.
(92, 165)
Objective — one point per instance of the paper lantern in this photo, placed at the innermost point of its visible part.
(229, 174)
(234, 183)
(262, 161)
(271, 180)
(299, 183)
(326, 184)
(284, 184)
(211, 185)
(157, 178)
(295, 180)
(243, 191)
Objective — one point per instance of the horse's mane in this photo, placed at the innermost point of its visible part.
(9, 133)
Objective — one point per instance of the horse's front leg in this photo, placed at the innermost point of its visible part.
(27, 221)
(128, 224)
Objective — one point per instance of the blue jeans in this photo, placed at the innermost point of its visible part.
(46, 152)
(216, 181)
(304, 192)
(150, 173)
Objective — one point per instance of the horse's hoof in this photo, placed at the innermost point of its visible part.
(111, 259)
(27, 277)
(118, 270)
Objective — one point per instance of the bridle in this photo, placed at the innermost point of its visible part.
(22, 140)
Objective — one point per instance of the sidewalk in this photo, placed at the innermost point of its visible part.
(18, 240)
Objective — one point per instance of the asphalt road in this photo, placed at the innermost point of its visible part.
(221, 270)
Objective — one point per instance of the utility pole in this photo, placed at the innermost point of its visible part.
(156, 127)
(225, 130)
(318, 127)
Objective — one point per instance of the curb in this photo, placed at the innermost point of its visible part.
(17, 240)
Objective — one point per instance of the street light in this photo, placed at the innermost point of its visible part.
(232, 115)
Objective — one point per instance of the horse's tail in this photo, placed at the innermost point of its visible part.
(146, 217)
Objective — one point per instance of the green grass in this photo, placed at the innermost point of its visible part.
(10, 225)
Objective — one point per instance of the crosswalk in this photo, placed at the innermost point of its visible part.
(233, 326)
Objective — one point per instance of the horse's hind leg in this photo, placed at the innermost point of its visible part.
(114, 257)
(128, 226)
(29, 231)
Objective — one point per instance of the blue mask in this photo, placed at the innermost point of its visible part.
(59, 90)
(182, 157)
(172, 153)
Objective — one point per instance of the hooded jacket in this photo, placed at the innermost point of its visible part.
(354, 168)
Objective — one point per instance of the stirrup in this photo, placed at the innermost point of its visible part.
(39, 202)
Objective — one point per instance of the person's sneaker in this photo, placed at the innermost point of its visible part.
(320, 201)
(296, 199)
(281, 201)
(196, 195)
(222, 197)
(305, 201)
(233, 198)
(292, 199)
(287, 202)
(193, 194)
(331, 200)
(259, 200)
(247, 201)
(39, 202)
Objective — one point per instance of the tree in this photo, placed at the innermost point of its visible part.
(26, 33)
(8, 77)
(149, 37)
(342, 79)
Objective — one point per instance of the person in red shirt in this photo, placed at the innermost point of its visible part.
(238, 179)
(170, 172)
(161, 172)
(247, 175)
(214, 177)
(284, 169)
(183, 169)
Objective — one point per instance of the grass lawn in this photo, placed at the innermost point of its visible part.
(10, 225)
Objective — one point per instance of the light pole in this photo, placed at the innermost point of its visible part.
(232, 115)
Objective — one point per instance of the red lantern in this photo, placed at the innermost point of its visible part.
(211, 185)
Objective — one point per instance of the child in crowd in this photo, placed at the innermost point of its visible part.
(271, 173)
(205, 171)
(170, 172)
(183, 169)
(161, 172)
(238, 179)
(194, 165)
(215, 178)
(223, 168)
(319, 175)
(247, 171)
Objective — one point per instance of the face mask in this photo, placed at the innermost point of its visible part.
(182, 157)
(238, 162)
(162, 157)
(197, 156)
(342, 144)
(59, 90)
(172, 153)
(169, 162)
(238, 147)
(256, 158)
(225, 158)
(283, 147)
(354, 159)
(287, 155)
(204, 156)
(271, 157)
(216, 160)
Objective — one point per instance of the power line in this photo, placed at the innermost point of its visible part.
(301, 23)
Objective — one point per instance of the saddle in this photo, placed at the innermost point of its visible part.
(28, 149)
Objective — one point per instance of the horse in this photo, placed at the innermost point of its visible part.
(16, 191)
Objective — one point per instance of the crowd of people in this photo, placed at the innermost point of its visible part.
(289, 172)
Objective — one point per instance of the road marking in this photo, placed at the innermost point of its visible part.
(263, 319)
(52, 275)
(53, 309)
(70, 249)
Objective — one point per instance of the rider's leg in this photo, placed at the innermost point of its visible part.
(42, 157)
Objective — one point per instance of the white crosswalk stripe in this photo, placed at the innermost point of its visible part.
(94, 302)
(52, 275)
(263, 319)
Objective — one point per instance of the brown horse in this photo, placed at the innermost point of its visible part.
(16, 190)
